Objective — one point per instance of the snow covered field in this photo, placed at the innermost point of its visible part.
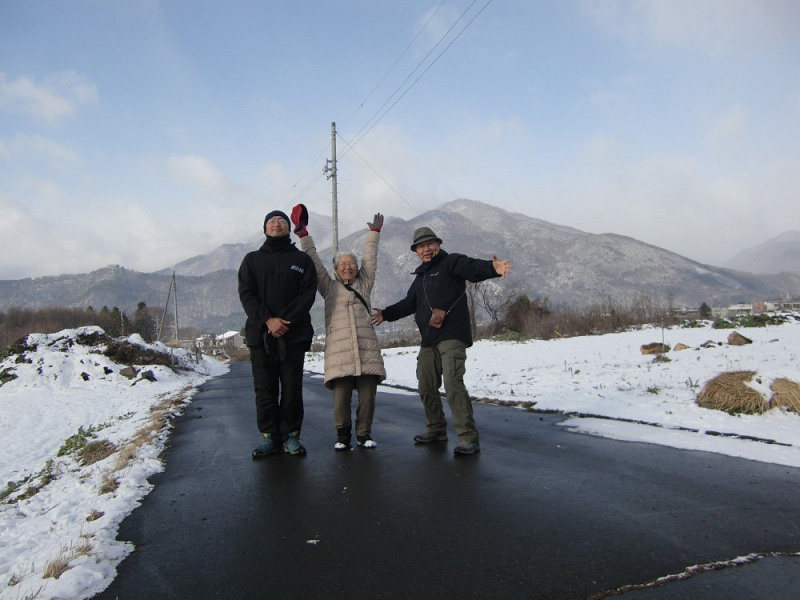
(617, 392)
(69, 392)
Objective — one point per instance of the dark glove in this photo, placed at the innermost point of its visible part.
(299, 218)
(377, 222)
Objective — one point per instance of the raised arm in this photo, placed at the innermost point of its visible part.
(323, 277)
(369, 261)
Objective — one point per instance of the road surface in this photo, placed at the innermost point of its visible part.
(539, 513)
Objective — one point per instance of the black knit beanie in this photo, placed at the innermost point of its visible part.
(274, 213)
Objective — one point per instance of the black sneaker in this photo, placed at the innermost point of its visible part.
(465, 448)
(342, 439)
(431, 436)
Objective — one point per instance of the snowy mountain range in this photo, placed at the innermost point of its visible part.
(777, 255)
(553, 261)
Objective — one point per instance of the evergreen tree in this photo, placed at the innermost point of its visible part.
(143, 322)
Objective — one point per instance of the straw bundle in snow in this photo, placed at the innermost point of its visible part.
(729, 392)
(785, 394)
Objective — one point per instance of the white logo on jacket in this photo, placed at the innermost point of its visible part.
(296, 268)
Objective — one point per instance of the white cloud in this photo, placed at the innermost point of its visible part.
(39, 148)
(437, 22)
(58, 97)
(198, 171)
(615, 99)
(727, 128)
(716, 27)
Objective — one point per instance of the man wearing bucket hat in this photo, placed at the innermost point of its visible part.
(277, 287)
(437, 299)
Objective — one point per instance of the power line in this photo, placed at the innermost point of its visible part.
(311, 166)
(433, 62)
(402, 54)
(363, 102)
(359, 134)
(378, 174)
(378, 115)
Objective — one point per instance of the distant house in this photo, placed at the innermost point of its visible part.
(789, 305)
(738, 310)
(206, 342)
(763, 306)
(227, 342)
(230, 341)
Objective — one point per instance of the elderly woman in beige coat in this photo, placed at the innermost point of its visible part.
(353, 358)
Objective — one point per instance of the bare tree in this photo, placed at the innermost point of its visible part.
(495, 298)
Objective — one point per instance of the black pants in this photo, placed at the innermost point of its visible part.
(279, 389)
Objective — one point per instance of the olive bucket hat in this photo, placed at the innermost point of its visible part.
(422, 235)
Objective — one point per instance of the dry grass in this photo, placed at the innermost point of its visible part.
(785, 394)
(110, 484)
(95, 452)
(60, 565)
(729, 392)
(94, 515)
(55, 568)
(240, 355)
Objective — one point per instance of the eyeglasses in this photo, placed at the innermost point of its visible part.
(278, 220)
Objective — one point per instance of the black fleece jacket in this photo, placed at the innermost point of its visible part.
(278, 280)
(443, 281)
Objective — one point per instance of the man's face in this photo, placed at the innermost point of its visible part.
(346, 268)
(277, 227)
(427, 250)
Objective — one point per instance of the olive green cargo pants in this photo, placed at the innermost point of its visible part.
(446, 361)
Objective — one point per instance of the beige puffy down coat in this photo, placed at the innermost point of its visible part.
(351, 345)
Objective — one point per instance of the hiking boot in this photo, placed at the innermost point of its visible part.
(431, 436)
(292, 444)
(465, 448)
(269, 446)
(365, 441)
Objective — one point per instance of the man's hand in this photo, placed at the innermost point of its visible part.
(501, 267)
(277, 326)
(377, 318)
(377, 222)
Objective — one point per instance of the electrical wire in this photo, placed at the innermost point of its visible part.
(402, 54)
(378, 174)
(363, 102)
(378, 115)
(360, 134)
(433, 62)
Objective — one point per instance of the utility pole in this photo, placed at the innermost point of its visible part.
(175, 297)
(330, 170)
(172, 286)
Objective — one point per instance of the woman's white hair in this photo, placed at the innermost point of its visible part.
(339, 255)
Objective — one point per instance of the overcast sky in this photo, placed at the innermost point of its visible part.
(146, 132)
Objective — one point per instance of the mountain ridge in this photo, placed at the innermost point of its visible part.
(554, 261)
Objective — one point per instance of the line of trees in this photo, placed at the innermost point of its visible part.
(19, 322)
(526, 317)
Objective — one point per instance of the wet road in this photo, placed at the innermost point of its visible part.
(540, 513)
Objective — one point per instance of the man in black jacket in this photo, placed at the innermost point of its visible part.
(277, 287)
(437, 299)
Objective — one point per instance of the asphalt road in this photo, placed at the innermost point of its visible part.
(539, 513)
